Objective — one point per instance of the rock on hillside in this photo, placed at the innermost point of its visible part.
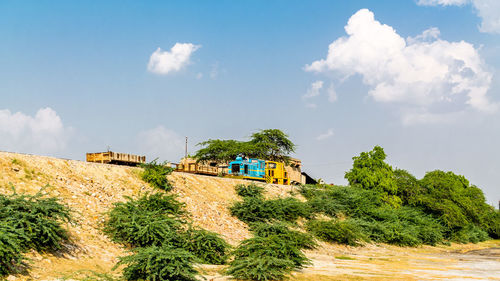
(90, 189)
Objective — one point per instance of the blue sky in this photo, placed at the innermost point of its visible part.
(420, 78)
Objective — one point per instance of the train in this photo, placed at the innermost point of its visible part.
(259, 170)
(247, 168)
(242, 167)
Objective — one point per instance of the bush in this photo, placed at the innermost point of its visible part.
(470, 234)
(260, 268)
(38, 217)
(11, 251)
(346, 200)
(156, 175)
(266, 258)
(208, 247)
(343, 232)
(250, 190)
(404, 226)
(158, 263)
(255, 209)
(299, 239)
(153, 219)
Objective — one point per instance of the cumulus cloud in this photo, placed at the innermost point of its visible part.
(161, 143)
(424, 72)
(165, 62)
(326, 135)
(488, 11)
(42, 133)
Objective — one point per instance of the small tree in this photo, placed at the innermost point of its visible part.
(369, 171)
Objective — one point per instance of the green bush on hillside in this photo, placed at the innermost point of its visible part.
(29, 222)
(160, 220)
(266, 258)
(343, 232)
(250, 190)
(257, 209)
(159, 263)
(11, 251)
(301, 240)
(208, 247)
(156, 175)
(152, 219)
(38, 217)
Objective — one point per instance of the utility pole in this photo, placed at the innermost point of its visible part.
(186, 154)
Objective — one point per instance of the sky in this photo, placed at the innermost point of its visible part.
(418, 77)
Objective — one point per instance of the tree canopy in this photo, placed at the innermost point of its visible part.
(460, 206)
(369, 171)
(270, 144)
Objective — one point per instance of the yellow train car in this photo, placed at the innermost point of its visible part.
(276, 173)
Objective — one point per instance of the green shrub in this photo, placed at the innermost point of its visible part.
(255, 209)
(152, 219)
(251, 209)
(299, 239)
(250, 190)
(404, 226)
(289, 209)
(335, 200)
(156, 175)
(261, 268)
(343, 232)
(38, 217)
(11, 251)
(470, 234)
(266, 258)
(158, 263)
(208, 247)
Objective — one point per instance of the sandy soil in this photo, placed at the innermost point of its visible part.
(90, 190)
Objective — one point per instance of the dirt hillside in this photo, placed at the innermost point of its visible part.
(90, 190)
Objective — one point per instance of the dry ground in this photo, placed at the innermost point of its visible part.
(90, 190)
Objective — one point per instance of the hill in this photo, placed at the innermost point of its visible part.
(90, 189)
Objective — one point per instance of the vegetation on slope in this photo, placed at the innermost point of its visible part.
(392, 206)
(30, 222)
(381, 204)
(156, 175)
(275, 250)
(164, 244)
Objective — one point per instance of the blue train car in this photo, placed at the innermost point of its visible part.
(248, 168)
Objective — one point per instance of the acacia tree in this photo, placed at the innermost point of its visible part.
(270, 144)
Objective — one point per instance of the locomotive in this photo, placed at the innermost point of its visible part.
(260, 170)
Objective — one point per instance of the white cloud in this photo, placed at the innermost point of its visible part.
(165, 62)
(313, 90)
(422, 72)
(43, 133)
(442, 2)
(326, 135)
(332, 94)
(161, 143)
(199, 75)
(488, 11)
